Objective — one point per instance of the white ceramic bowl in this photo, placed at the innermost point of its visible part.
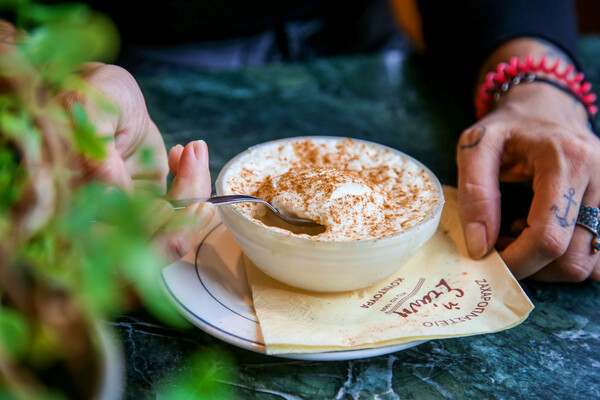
(326, 266)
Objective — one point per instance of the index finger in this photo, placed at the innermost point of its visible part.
(478, 159)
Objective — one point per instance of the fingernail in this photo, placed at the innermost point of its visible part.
(177, 148)
(201, 152)
(476, 238)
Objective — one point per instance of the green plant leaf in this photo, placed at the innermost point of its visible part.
(12, 178)
(142, 266)
(203, 378)
(14, 334)
(65, 12)
(97, 237)
(70, 37)
(84, 134)
(147, 158)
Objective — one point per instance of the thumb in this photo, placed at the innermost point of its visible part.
(478, 160)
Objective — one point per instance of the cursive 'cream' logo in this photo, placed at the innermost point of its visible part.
(443, 291)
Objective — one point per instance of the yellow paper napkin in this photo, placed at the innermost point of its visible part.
(440, 293)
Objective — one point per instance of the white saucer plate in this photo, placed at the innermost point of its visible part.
(210, 289)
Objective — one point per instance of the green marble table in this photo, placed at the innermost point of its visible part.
(554, 354)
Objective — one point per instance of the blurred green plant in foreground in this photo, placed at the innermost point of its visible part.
(70, 255)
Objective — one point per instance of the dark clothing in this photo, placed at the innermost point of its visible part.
(145, 22)
(225, 34)
(464, 33)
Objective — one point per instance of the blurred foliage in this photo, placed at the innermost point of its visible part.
(201, 379)
(12, 178)
(61, 37)
(94, 246)
(14, 332)
(84, 132)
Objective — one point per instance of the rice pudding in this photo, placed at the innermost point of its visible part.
(356, 190)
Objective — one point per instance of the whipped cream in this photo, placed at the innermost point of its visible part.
(340, 200)
(357, 190)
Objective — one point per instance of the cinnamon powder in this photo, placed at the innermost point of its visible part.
(394, 193)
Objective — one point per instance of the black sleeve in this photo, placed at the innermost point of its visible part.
(465, 32)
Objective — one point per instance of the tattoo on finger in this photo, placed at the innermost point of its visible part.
(475, 137)
(561, 214)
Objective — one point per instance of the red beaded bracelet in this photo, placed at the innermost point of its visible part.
(516, 71)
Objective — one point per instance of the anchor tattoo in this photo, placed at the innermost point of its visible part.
(562, 219)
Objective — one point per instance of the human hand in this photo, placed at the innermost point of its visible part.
(189, 165)
(135, 132)
(109, 100)
(113, 104)
(535, 134)
(132, 134)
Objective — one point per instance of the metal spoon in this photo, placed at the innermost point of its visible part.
(240, 198)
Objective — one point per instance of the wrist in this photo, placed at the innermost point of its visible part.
(520, 48)
(528, 70)
(538, 100)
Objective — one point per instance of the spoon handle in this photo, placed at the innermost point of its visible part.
(228, 199)
(238, 198)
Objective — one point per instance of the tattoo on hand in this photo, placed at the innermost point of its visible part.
(562, 219)
(481, 130)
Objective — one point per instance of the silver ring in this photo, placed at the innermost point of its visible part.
(589, 218)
